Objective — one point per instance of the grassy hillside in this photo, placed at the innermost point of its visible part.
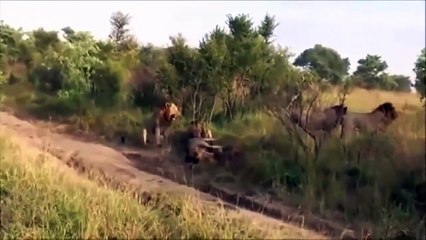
(41, 198)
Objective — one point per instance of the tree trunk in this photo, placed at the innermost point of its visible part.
(212, 110)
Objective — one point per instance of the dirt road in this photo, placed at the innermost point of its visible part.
(149, 172)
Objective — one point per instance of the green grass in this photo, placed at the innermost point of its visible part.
(42, 198)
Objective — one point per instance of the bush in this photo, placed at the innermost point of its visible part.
(47, 79)
(108, 83)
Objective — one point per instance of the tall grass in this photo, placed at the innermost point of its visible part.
(366, 100)
(377, 173)
(41, 198)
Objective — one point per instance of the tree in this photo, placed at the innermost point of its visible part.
(370, 72)
(43, 40)
(9, 40)
(326, 62)
(13, 46)
(216, 57)
(246, 69)
(77, 61)
(120, 35)
(267, 28)
(402, 83)
(180, 77)
(420, 70)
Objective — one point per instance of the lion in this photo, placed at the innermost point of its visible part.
(325, 120)
(198, 146)
(206, 132)
(160, 122)
(199, 149)
(197, 142)
(373, 122)
(200, 130)
(319, 122)
(194, 129)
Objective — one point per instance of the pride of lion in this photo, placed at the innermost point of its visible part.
(197, 140)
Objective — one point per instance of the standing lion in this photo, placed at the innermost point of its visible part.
(160, 123)
(318, 123)
(325, 120)
(375, 121)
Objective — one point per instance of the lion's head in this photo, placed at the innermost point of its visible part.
(340, 109)
(388, 111)
(194, 129)
(197, 129)
(171, 112)
(376, 120)
(336, 113)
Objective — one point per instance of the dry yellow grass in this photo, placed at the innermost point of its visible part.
(42, 198)
(408, 129)
(366, 100)
(411, 120)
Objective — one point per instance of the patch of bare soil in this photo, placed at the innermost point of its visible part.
(152, 172)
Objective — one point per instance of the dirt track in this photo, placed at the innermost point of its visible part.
(147, 170)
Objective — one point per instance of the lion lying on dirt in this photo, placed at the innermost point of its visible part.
(199, 148)
(198, 144)
(195, 144)
(160, 122)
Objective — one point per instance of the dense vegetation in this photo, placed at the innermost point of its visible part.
(229, 80)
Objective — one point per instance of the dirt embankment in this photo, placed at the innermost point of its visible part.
(147, 170)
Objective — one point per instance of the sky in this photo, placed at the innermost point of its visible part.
(394, 30)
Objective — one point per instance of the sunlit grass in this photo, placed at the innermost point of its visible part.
(42, 198)
(366, 100)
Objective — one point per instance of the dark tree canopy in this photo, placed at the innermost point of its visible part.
(370, 72)
(326, 62)
(267, 28)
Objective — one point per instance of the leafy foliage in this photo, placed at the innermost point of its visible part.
(326, 62)
(229, 74)
(420, 70)
(371, 72)
(401, 83)
(120, 35)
